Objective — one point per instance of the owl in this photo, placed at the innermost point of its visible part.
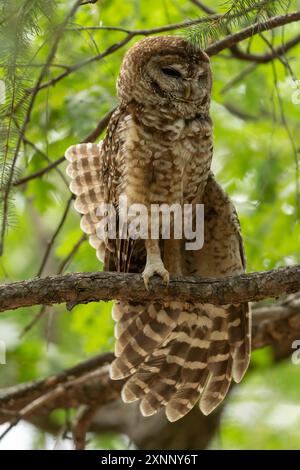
(158, 150)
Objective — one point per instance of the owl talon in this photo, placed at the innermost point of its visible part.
(155, 268)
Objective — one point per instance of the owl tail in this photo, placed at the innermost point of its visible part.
(175, 356)
(140, 330)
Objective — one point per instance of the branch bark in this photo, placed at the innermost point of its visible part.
(90, 287)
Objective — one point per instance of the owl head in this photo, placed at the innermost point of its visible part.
(167, 72)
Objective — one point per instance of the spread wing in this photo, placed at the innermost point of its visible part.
(98, 176)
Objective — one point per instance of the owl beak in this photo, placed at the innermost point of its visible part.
(187, 90)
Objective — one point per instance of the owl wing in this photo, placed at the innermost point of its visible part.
(97, 174)
(222, 255)
(185, 351)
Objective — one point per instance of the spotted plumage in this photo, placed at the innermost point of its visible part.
(158, 149)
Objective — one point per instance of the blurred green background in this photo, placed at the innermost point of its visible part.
(255, 161)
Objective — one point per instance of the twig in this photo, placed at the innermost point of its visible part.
(238, 112)
(89, 138)
(150, 31)
(203, 7)
(268, 57)
(85, 62)
(81, 425)
(89, 1)
(45, 156)
(34, 321)
(103, 123)
(54, 236)
(39, 173)
(90, 387)
(70, 255)
(240, 76)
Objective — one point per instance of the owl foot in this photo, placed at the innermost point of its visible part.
(153, 268)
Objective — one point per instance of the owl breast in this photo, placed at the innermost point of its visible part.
(166, 165)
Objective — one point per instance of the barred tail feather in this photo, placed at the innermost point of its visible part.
(186, 397)
(240, 338)
(141, 382)
(179, 379)
(193, 353)
(168, 376)
(143, 335)
(124, 313)
(220, 368)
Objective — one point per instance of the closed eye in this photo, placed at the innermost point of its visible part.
(171, 72)
(202, 79)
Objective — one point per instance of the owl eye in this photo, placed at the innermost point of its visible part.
(202, 78)
(171, 72)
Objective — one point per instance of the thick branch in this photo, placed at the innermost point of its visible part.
(76, 386)
(89, 287)
(276, 323)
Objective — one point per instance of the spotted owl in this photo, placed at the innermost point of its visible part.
(158, 150)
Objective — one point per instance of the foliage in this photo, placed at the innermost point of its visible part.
(254, 160)
(20, 24)
(237, 13)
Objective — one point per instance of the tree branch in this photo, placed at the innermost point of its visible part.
(233, 39)
(203, 7)
(54, 236)
(90, 287)
(276, 323)
(269, 56)
(238, 53)
(89, 2)
(81, 380)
